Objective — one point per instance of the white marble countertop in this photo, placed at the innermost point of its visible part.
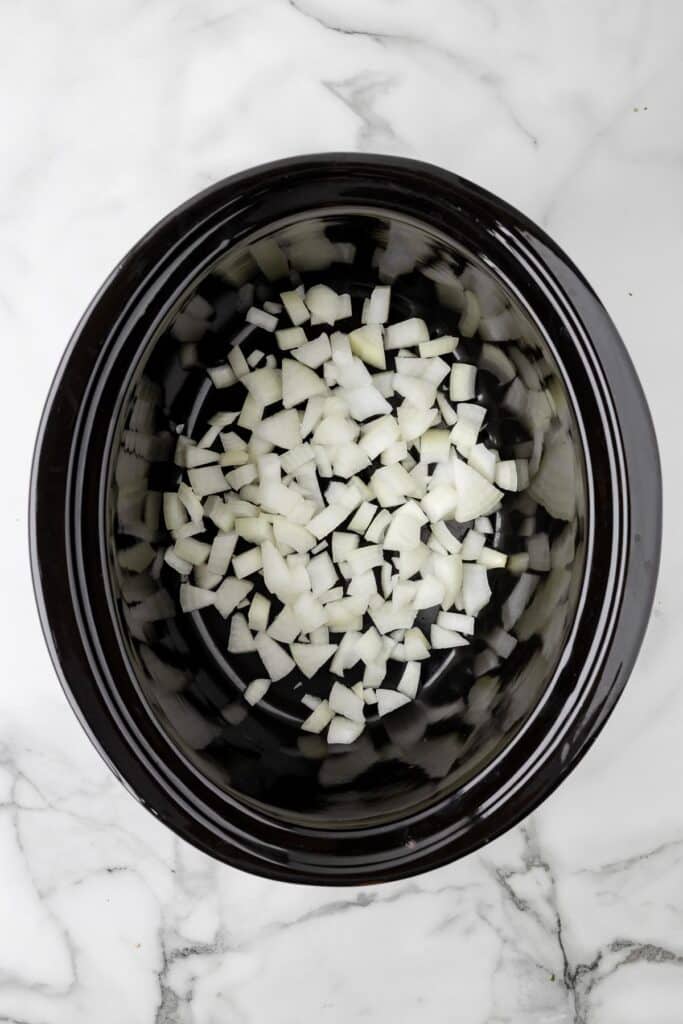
(113, 113)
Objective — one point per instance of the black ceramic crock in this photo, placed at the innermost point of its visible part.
(70, 525)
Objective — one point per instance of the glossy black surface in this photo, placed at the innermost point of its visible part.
(423, 787)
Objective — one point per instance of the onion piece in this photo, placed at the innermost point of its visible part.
(377, 310)
(447, 411)
(419, 392)
(256, 691)
(295, 307)
(323, 303)
(230, 593)
(239, 364)
(290, 339)
(365, 558)
(283, 429)
(492, 559)
(314, 353)
(416, 644)
(254, 529)
(240, 640)
(410, 680)
(484, 460)
(463, 382)
(476, 592)
(310, 658)
(259, 612)
(193, 599)
(446, 639)
(259, 318)
(367, 343)
(406, 334)
(390, 700)
(343, 701)
(309, 613)
(265, 385)
(444, 536)
(193, 551)
(276, 661)
(328, 520)
(251, 413)
(175, 562)
(196, 456)
(440, 503)
(343, 731)
(472, 546)
(433, 370)
(299, 383)
(377, 529)
(247, 563)
(379, 435)
(319, 718)
(384, 383)
(191, 502)
(363, 517)
(414, 421)
(221, 376)
(430, 593)
(188, 530)
(475, 495)
(220, 514)
(506, 475)
(235, 479)
(322, 573)
(435, 445)
(438, 346)
(403, 533)
(285, 627)
(388, 618)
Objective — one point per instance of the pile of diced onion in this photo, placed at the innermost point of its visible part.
(352, 455)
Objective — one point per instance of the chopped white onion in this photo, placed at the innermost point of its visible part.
(406, 334)
(323, 303)
(463, 382)
(299, 383)
(445, 639)
(240, 640)
(193, 599)
(295, 307)
(390, 700)
(343, 731)
(259, 318)
(259, 613)
(368, 344)
(475, 589)
(256, 690)
(230, 593)
(319, 718)
(343, 701)
(314, 353)
(276, 661)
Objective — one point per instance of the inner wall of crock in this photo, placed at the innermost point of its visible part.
(474, 699)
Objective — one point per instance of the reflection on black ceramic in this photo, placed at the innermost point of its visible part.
(489, 735)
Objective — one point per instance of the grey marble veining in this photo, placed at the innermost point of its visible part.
(113, 113)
